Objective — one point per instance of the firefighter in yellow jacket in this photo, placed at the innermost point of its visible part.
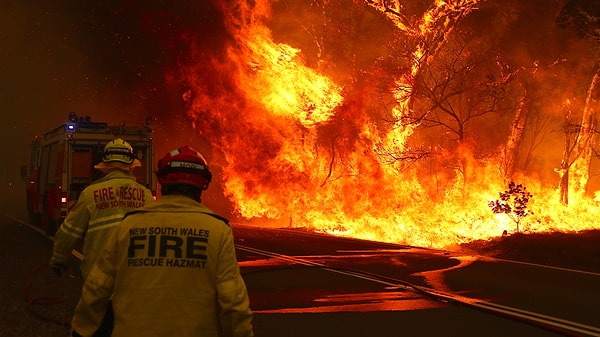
(100, 207)
(171, 267)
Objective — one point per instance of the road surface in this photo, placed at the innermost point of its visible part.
(306, 284)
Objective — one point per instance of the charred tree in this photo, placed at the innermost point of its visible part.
(453, 95)
(428, 34)
(584, 17)
(537, 123)
(578, 149)
(525, 79)
(515, 138)
(513, 202)
(565, 164)
(586, 139)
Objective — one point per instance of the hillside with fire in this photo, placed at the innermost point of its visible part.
(425, 123)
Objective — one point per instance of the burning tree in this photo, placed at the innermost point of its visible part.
(513, 202)
(345, 112)
(580, 138)
(452, 99)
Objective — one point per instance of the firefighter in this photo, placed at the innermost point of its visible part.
(171, 267)
(100, 208)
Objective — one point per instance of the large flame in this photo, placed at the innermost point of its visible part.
(301, 150)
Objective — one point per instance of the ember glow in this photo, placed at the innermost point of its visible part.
(344, 141)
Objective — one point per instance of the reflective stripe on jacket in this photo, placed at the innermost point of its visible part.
(100, 207)
(172, 270)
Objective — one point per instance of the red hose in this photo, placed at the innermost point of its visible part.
(42, 300)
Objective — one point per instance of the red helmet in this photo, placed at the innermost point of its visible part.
(184, 166)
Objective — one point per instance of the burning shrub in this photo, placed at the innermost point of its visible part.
(513, 202)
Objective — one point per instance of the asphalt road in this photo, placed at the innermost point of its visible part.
(306, 284)
(303, 284)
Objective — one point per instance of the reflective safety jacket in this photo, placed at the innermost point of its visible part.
(172, 270)
(101, 206)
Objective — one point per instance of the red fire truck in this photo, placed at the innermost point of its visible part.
(62, 165)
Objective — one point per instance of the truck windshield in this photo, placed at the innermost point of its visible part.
(83, 173)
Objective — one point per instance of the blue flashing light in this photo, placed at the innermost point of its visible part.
(71, 127)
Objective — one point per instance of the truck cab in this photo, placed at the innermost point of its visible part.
(62, 165)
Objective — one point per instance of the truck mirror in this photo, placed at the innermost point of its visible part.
(24, 172)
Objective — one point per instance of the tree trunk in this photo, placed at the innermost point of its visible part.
(565, 164)
(564, 183)
(516, 137)
(580, 169)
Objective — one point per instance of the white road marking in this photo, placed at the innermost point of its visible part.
(516, 313)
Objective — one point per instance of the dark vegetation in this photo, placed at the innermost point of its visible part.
(579, 251)
(513, 202)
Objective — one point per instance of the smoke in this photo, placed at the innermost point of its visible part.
(115, 61)
(120, 61)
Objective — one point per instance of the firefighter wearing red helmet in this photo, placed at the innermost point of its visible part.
(170, 268)
(184, 166)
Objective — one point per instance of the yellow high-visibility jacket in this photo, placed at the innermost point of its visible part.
(101, 206)
(171, 269)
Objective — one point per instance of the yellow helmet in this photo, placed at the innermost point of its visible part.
(118, 150)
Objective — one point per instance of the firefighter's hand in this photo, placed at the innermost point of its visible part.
(58, 269)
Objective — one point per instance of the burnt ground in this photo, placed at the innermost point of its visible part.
(35, 302)
(580, 251)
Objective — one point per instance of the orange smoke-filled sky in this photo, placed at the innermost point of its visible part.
(112, 60)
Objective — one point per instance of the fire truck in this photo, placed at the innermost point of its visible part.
(62, 165)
